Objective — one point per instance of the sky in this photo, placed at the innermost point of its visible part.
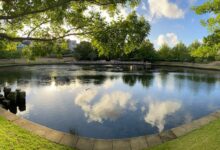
(173, 21)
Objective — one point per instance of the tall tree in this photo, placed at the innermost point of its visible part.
(121, 36)
(180, 52)
(165, 52)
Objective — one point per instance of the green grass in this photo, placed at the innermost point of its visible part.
(13, 137)
(206, 138)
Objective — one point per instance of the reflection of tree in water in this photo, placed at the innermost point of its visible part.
(129, 79)
(13, 75)
(94, 79)
(145, 79)
(164, 77)
(198, 80)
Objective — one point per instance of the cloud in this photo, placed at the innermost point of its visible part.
(158, 111)
(165, 8)
(170, 38)
(110, 106)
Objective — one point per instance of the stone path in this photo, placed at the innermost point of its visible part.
(82, 143)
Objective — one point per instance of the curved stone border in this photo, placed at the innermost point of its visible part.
(83, 143)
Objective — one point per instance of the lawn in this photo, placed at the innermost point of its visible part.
(13, 137)
(206, 138)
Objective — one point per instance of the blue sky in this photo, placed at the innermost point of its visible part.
(173, 21)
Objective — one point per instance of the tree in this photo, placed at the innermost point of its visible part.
(211, 44)
(145, 52)
(42, 49)
(85, 51)
(180, 52)
(165, 52)
(192, 48)
(46, 20)
(120, 37)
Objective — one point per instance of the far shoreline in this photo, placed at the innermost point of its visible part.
(70, 61)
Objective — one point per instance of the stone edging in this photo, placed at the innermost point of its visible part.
(83, 143)
(187, 65)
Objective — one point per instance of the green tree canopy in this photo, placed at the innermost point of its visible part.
(85, 51)
(45, 20)
(180, 52)
(120, 37)
(145, 52)
(164, 52)
(211, 44)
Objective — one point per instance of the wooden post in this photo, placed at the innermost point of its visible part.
(1, 98)
(6, 91)
(12, 96)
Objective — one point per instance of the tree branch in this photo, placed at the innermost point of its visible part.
(19, 39)
(56, 5)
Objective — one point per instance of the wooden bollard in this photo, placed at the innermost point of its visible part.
(21, 98)
(6, 103)
(12, 96)
(1, 97)
(6, 91)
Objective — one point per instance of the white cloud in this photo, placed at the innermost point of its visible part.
(109, 106)
(158, 111)
(170, 38)
(165, 8)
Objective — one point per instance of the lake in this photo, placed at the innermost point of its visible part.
(113, 102)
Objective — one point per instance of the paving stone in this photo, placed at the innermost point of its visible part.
(85, 144)
(121, 145)
(167, 136)
(204, 121)
(69, 140)
(54, 136)
(139, 143)
(191, 126)
(103, 145)
(21, 122)
(37, 129)
(153, 140)
(216, 114)
(179, 131)
(9, 116)
(2, 110)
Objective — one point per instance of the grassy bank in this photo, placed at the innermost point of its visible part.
(206, 138)
(13, 137)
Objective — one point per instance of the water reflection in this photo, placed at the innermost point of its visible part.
(132, 79)
(108, 107)
(111, 102)
(158, 111)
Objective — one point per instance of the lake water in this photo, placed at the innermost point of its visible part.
(113, 102)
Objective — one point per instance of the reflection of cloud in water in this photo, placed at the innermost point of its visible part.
(110, 106)
(158, 112)
(26, 113)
